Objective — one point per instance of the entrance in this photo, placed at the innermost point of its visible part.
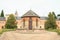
(30, 24)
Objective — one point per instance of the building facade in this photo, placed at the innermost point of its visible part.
(29, 21)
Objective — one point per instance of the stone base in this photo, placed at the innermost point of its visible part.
(30, 31)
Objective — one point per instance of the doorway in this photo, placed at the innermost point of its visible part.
(30, 23)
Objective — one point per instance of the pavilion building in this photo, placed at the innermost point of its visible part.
(30, 20)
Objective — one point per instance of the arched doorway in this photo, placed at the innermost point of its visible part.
(30, 23)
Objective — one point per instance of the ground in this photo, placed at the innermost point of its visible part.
(29, 35)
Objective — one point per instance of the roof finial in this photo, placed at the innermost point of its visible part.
(16, 13)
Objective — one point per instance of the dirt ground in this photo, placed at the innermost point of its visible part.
(42, 35)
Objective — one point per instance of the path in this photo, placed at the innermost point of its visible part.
(13, 35)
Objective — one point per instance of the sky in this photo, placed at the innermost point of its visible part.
(40, 7)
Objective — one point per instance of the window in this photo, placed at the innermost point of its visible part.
(40, 26)
(2, 27)
(20, 27)
(23, 22)
(36, 22)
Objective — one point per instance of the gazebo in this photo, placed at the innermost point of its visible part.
(30, 20)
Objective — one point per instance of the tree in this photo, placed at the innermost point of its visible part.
(51, 22)
(2, 13)
(58, 15)
(11, 22)
(54, 15)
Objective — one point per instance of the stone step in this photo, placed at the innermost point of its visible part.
(30, 31)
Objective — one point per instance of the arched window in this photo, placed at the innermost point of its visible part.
(2, 27)
(23, 22)
(36, 22)
(40, 26)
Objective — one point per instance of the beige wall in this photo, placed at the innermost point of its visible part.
(40, 23)
(20, 23)
(2, 24)
(26, 22)
(58, 24)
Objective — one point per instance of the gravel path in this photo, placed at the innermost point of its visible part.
(13, 35)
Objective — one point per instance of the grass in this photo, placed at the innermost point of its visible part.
(55, 30)
(5, 30)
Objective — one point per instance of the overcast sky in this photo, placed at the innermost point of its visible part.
(40, 7)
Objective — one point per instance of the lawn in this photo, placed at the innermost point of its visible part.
(5, 30)
(55, 30)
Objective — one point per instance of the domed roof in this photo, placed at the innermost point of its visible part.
(30, 13)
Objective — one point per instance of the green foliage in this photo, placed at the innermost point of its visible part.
(2, 13)
(58, 32)
(51, 22)
(1, 31)
(11, 22)
(55, 30)
(54, 15)
(58, 15)
(6, 30)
